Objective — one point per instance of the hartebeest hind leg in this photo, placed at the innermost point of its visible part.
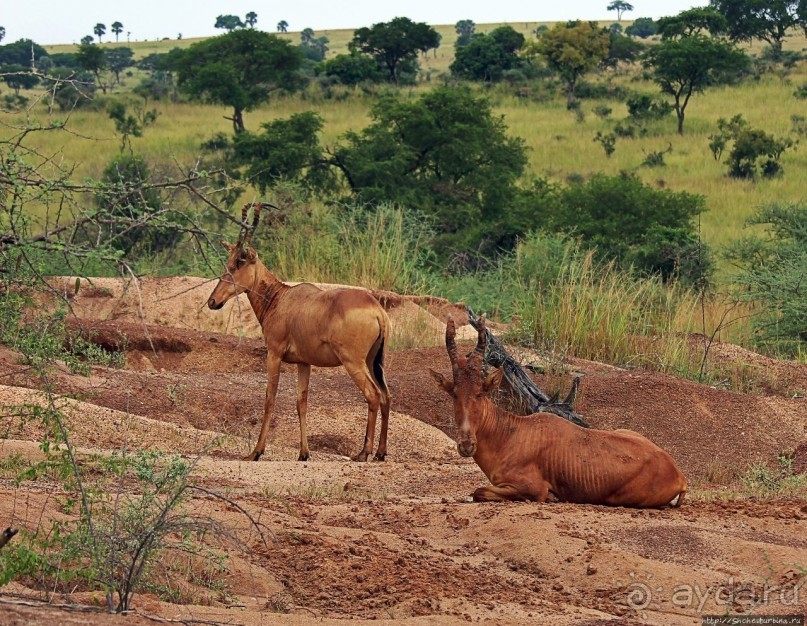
(360, 375)
(273, 377)
(494, 493)
(303, 376)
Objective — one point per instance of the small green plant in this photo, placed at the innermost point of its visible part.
(607, 141)
(761, 478)
(602, 111)
(656, 157)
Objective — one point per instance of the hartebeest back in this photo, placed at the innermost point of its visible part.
(533, 457)
(309, 326)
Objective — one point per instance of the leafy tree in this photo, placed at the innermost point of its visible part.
(688, 65)
(465, 30)
(87, 39)
(229, 22)
(251, 19)
(118, 59)
(634, 224)
(621, 49)
(768, 20)
(487, 57)
(394, 42)
(99, 30)
(116, 28)
(353, 68)
(22, 52)
(692, 21)
(2, 33)
(572, 49)
(620, 7)
(282, 26)
(315, 49)
(129, 125)
(19, 77)
(642, 27)
(754, 151)
(240, 69)
(772, 276)
(92, 58)
(306, 35)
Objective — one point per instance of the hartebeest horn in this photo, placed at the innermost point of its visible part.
(451, 344)
(482, 341)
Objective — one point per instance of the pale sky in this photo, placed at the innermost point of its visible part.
(66, 21)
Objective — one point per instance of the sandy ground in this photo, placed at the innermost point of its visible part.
(399, 540)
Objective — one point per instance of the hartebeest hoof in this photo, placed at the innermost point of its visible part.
(364, 455)
(253, 456)
(303, 457)
(380, 456)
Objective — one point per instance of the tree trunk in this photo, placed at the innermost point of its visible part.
(531, 397)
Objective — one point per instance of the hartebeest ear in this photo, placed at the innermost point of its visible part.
(228, 245)
(248, 254)
(493, 380)
(442, 382)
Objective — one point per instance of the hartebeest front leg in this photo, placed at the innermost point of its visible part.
(273, 377)
(303, 376)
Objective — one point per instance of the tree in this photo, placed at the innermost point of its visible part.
(307, 35)
(251, 19)
(282, 26)
(772, 271)
(229, 22)
(19, 77)
(87, 39)
(652, 230)
(394, 42)
(93, 59)
(642, 27)
(688, 65)
(692, 21)
(620, 7)
(465, 30)
(116, 28)
(22, 52)
(99, 30)
(353, 68)
(2, 33)
(621, 49)
(572, 49)
(487, 57)
(768, 20)
(240, 69)
(118, 59)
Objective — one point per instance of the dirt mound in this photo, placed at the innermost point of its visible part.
(398, 540)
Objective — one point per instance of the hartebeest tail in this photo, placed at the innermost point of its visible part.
(310, 326)
(543, 455)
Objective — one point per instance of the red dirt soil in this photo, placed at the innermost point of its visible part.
(398, 540)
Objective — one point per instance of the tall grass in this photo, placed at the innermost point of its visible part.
(379, 248)
(598, 312)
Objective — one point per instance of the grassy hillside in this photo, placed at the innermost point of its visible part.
(561, 145)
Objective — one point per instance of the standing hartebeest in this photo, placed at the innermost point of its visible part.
(309, 326)
(531, 457)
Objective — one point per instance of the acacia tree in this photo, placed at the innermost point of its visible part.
(691, 21)
(116, 28)
(118, 59)
(251, 19)
(240, 69)
(228, 22)
(2, 33)
(99, 30)
(394, 42)
(572, 49)
(282, 26)
(688, 65)
(620, 7)
(465, 30)
(92, 58)
(768, 20)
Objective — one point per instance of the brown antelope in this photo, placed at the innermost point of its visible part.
(309, 326)
(533, 457)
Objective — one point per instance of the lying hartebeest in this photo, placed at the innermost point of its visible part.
(531, 457)
(309, 326)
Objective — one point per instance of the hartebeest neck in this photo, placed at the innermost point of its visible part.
(264, 292)
(499, 432)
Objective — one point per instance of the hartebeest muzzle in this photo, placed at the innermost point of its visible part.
(466, 447)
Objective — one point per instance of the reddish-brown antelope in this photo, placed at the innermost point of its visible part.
(309, 326)
(541, 455)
